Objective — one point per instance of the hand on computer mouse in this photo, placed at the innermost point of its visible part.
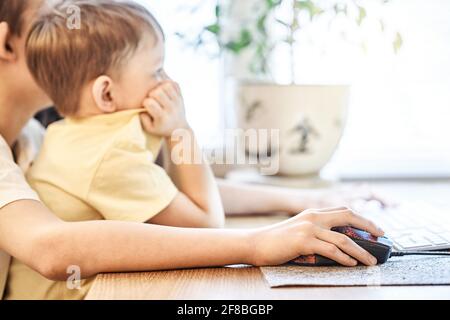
(379, 247)
(310, 233)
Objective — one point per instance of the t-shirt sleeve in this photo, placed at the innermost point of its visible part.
(13, 186)
(129, 186)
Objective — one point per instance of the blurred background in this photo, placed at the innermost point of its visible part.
(394, 54)
(398, 122)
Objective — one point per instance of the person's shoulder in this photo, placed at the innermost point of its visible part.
(131, 139)
(71, 146)
(131, 135)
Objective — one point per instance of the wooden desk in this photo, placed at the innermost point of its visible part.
(242, 282)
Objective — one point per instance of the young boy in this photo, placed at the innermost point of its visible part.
(98, 163)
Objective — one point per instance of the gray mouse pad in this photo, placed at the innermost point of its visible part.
(399, 271)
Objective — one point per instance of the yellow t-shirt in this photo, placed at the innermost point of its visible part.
(101, 167)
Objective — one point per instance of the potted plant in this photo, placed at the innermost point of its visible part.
(311, 117)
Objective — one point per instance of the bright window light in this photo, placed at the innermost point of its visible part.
(399, 119)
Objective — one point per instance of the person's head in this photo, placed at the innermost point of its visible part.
(110, 63)
(16, 81)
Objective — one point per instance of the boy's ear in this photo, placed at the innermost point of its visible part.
(6, 49)
(102, 91)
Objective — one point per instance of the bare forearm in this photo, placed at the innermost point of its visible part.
(239, 198)
(125, 247)
(32, 234)
(49, 245)
(194, 177)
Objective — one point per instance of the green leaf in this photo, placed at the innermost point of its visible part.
(218, 11)
(214, 28)
(362, 15)
(261, 24)
(273, 3)
(398, 42)
(244, 42)
(308, 5)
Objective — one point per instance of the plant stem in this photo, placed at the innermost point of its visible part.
(292, 31)
(292, 63)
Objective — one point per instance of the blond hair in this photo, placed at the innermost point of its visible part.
(63, 60)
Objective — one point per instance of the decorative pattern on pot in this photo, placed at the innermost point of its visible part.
(310, 119)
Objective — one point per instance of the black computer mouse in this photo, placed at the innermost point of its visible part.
(380, 248)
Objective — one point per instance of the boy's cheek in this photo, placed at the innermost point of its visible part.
(136, 96)
(131, 100)
(154, 85)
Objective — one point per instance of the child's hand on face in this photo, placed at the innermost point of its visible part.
(165, 110)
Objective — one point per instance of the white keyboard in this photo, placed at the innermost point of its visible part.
(414, 227)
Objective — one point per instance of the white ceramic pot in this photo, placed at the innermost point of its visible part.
(311, 120)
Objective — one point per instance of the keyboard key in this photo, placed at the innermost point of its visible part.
(446, 236)
(411, 242)
(420, 241)
(404, 242)
(434, 238)
(415, 226)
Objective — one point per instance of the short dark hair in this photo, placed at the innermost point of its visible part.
(11, 12)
